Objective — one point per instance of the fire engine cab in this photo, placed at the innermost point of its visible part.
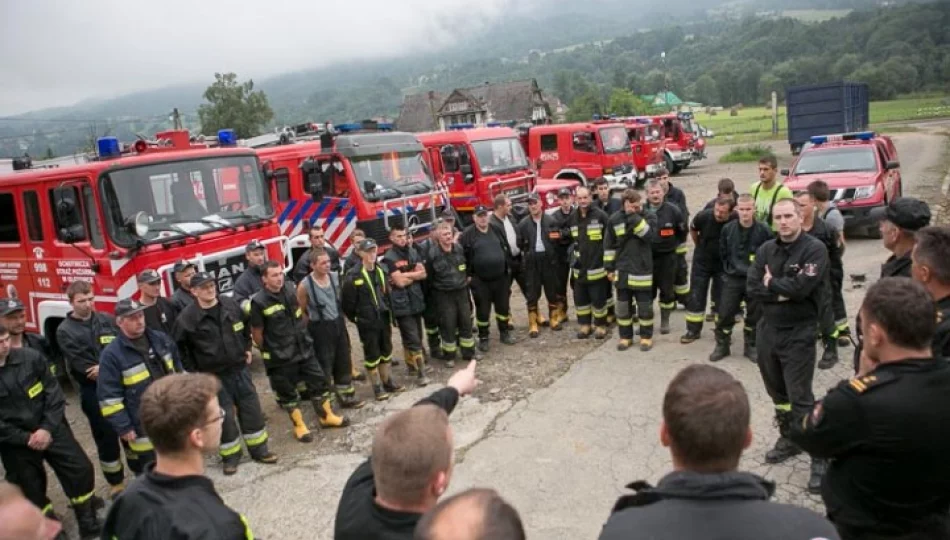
(359, 175)
(476, 164)
(679, 140)
(143, 206)
(581, 152)
(861, 168)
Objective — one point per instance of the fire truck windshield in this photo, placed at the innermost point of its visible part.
(184, 198)
(836, 161)
(391, 175)
(615, 140)
(500, 155)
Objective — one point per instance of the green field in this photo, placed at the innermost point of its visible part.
(755, 123)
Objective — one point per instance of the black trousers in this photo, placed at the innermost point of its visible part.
(701, 277)
(455, 323)
(410, 330)
(331, 344)
(541, 274)
(430, 318)
(837, 302)
(562, 273)
(518, 274)
(826, 314)
(664, 275)
(106, 439)
(787, 365)
(590, 298)
(285, 377)
(377, 339)
(627, 312)
(238, 395)
(488, 293)
(681, 284)
(730, 302)
(24, 467)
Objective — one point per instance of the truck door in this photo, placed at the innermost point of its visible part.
(15, 277)
(584, 152)
(77, 240)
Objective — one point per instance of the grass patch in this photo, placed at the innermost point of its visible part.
(746, 154)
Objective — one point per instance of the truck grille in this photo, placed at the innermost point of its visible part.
(839, 194)
(376, 228)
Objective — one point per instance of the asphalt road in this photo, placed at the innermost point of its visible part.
(560, 425)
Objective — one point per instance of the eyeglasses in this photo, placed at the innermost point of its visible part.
(216, 418)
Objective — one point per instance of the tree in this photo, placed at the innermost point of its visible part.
(586, 106)
(705, 90)
(655, 82)
(623, 102)
(769, 83)
(845, 65)
(49, 153)
(234, 105)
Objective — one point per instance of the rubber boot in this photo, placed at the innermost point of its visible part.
(601, 332)
(665, 321)
(347, 398)
(389, 385)
(554, 311)
(301, 432)
(748, 350)
(378, 392)
(689, 337)
(844, 338)
(116, 490)
(830, 356)
(326, 413)
(818, 468)
(483, 344)
(646, 344)
(89, 525)
(421, 378)
(541, 320)
(412, 366)
(784, 448)
(533, 323)
(507, 338)
(624, 344)
(355, 373)
(721, 350)
(584, 332)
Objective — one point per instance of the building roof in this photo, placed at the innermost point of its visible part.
(663, 98)
(514, 100)
(418, 112)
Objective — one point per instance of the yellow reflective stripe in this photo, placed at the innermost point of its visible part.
(462, 267)
(502, 317)
(595, 235)
(695, 317)
(265, 355)
(582, 310)
(109, 410)
(670, 305)
(135, 375)
(752, 257)
(142, 444)
(624, 322)
(169, 363)
(449, 347)
(298, 313)
(681, 250)
(596, 273)
(641, 280)
(256, 439)
(231, 448)
(610, 255)
(466, 343)
(481, 324)
(646, 322)
(574, 231)
(47, 509)
(105, 340)
(379, 273)
(681, 289)
(35, 390)
(248, 535)
(600, 312)
(785, 407)
(639, 229)
(620, 229)
(82, 498)
(268, 311)
(111, 466)
(238, 326)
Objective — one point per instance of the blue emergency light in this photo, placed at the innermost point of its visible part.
(226, 137)
(108, 147)
(493, 124)
(384, 127)
(461, 126)
(596, 117)
(856, 136)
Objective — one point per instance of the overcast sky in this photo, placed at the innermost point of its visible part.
(58, 52)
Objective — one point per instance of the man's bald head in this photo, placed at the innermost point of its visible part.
(475, 514)
(21, 520)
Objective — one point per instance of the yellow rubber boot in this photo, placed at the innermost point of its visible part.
(555, 313)
(326, 415)
(301, 432)
(386, 376)
(533, 323)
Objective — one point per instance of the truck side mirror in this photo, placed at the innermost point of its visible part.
(267, 171)
(450, 159)
(784, 172)
(891, 165)
(71, 229)
(467, 173)
(315, 183)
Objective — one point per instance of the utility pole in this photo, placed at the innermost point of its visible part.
(176, 119)
(774, 113)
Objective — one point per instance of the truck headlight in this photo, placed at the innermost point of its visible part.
(865, 192)
(550, 198)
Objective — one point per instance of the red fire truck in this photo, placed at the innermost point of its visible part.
(581, 152)
(679, 141)
(127, 209)
(476, 164)
(352, 176)
(648, 150)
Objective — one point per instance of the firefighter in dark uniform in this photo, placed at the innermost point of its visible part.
(249, 282)
(504, 222)
(132, 361)
(591, 287)
(213, 338)
(899, 223)
(889, 475)
(317, 241)
(786, 280)
(353, 259)
(448, 278)
(931, 267)
(160, 314)
(486, 259)
(430, 316)
(738, 244)
(279, 330)
(670, 233)
(628, 257)
(366, 302)
(706, 231)
(563, 248)
(33, 430)
(676, 197)
(816, 227)
(82, 336)
(13, 318)
(538, 236)
(407, 272)
(608, 205)
(183, 270)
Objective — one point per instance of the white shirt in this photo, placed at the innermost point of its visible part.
(512, 237)
(538, 242)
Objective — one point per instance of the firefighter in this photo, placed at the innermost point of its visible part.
(13, 318)
(931, 267)
(628, 257)
(538, 237)
(676, 197)
(503, 223)
(815, 226)
(603, 199)
(670, 233)
(834, 219)
(486, 259)
(430, 317)
(724, 188)
(137, 357)
(407, 272)
(563, 248)
(366, 302)
(706, 231)
(319, 296)
(213, 338)
(35, 430)
(353, 259)
(160, 314)
(786, 280)
(249, 282)
(448, 278)
(317, 241)
(591, 287)
(279, 330)
(183, 270)
(82, 336)
(768, 191)
(739, 241)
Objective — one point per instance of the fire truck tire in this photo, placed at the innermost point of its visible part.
(572, 177)
(671, 165)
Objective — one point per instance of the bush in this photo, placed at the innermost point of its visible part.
(745, 154)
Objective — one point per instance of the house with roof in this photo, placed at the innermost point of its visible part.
(514, 102)
(663, 99)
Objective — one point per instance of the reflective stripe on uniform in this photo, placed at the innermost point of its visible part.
(169, 363)
(371, 364)
(108, 407)
(48, 509)
(502, 317)
(682, 249)
(82, 498)
(35, 390)
(842, 325)
(667, 305)
(110, 467)
(432, 331)
(265, 355)
(609, 255)
(620, 229)
(642, 229)
(481, 324)
(268, 311)
(600, 313)
(692, 316)
(230, 448)
(681, 289)
(646, 322)
(575, 231)
(135, 375)
(596, 273)
(785, 407)
(582, 310)
(624, 322)
(248, 535)
(142, 444)
(386, 359)
(260, 437)
(466, 343)
(643, 281)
